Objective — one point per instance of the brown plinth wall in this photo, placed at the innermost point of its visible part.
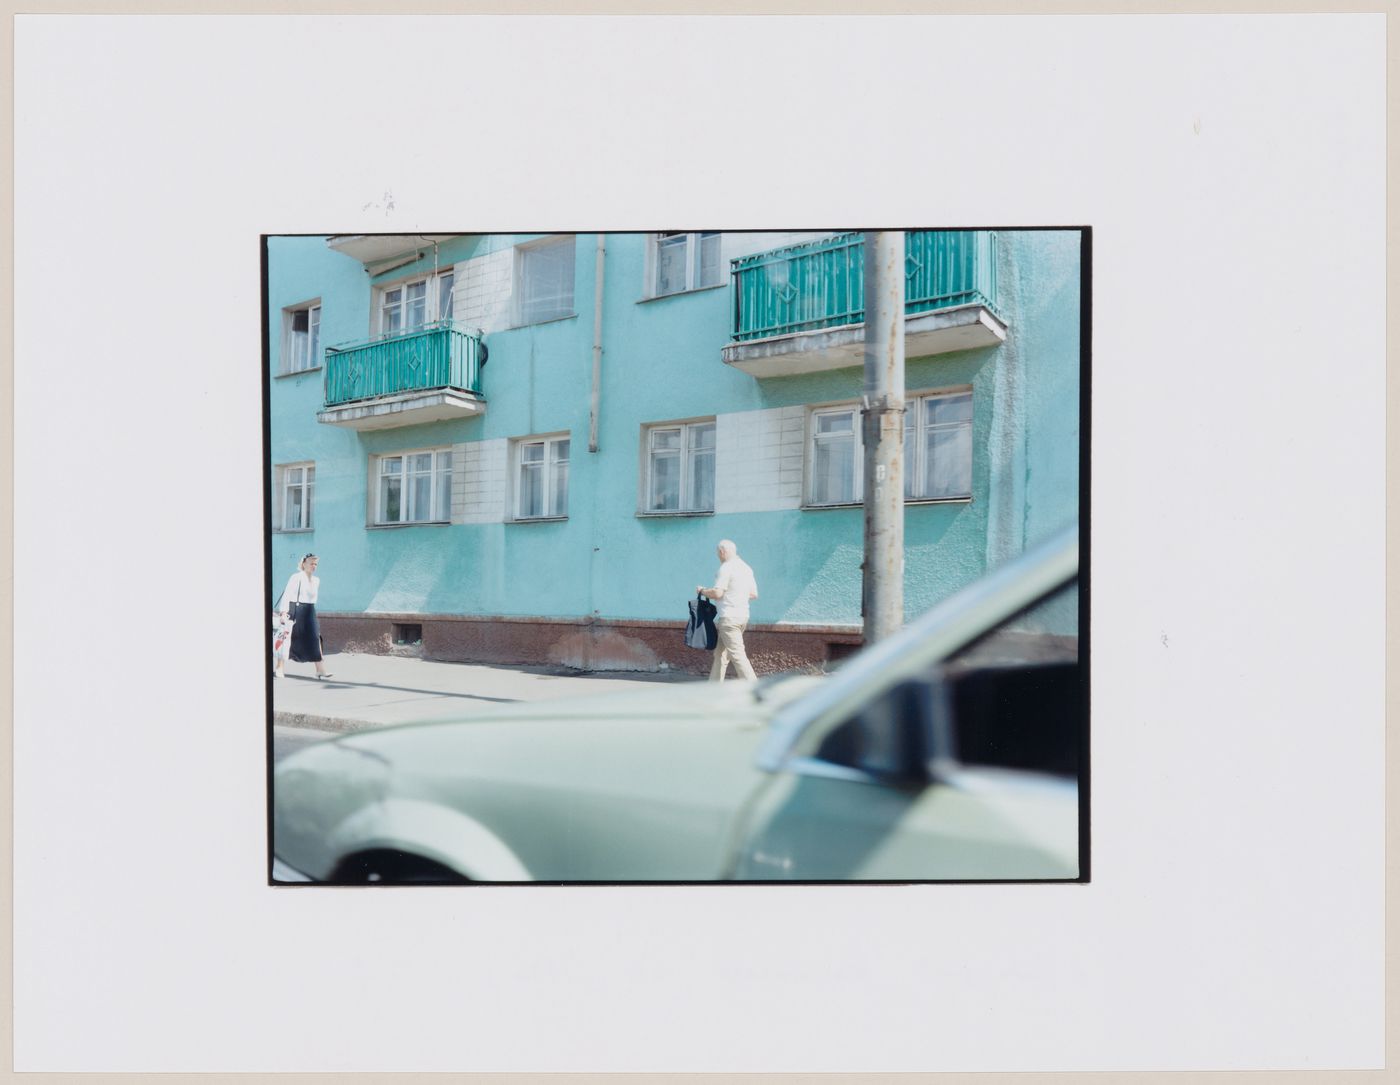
(580, 644)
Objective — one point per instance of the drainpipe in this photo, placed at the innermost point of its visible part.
(882, 417)
(595, 395)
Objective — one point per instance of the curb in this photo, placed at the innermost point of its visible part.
(321, 723)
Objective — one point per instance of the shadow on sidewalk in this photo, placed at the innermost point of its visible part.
(336, 682)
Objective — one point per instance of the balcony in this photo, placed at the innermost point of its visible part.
(425, 375)
(801, 309)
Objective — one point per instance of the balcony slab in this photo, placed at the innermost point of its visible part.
(939, 332)
(404, 409)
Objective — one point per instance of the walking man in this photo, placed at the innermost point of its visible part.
(734, 587)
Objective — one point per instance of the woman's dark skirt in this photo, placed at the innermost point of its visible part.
(306, 634)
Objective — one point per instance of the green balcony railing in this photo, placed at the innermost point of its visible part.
(439, 355)
(821, 284)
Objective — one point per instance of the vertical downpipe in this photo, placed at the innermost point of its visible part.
(882, 416)
(594, 402)
(595, 395)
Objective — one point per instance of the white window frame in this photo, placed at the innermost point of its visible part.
(915, 419)
(295, 360)
(693, 246)
(686, 453)
(916, 422)
(521, 316)
(439, 490)
(549, 465)
(858, 457)
(295, 476)
(433, 307)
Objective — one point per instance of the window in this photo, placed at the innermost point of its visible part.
(1010, 699)
(545, 280)
(301, 341)
(836, 456)
(682, 261)
(938, 447)
(414, 488)
(681, 468)
(296, 484)
(937, 451)
(542, 482)
(410, 306)
(1015, 695)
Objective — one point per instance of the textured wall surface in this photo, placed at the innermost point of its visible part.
(660, 362)
(581, 645)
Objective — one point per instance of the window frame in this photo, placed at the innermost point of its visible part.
(685, 454)
(549, 464)
(314, 355)
(283, 485)
(520, 318)
(439, 487)
(432, 283)
(913, 402)
(693, 261)
(810, 456)
(916, 405)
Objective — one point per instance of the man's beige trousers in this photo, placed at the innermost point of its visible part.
(730, 646)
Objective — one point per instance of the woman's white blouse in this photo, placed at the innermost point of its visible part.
(307, 585)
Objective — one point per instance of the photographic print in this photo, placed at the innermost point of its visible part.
(679, 556)
(455, 566)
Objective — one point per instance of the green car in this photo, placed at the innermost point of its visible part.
(949, 751)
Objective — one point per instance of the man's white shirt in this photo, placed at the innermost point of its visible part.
(736, 580)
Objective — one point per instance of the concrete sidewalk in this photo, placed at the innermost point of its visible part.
(374, 691)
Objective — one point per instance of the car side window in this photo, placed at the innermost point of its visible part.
(1015, 696)
(1010, 699)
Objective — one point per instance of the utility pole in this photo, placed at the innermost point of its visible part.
(882, 419)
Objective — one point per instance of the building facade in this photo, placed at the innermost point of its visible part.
(523, 448)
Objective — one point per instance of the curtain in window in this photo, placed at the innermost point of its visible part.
(709, 271)
(702, 467)
(445, 296)
(834, 459)
(665, 470)
(948, 447)
(532, 479)
(314, 340)
(559, 495)
(416, 305)
(390, 490)
(391, 313)
(547, 281)
(292, 502)
(420, 501)
(670, 263)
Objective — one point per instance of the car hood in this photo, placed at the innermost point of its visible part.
(648, 782)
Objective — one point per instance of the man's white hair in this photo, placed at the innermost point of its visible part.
(728, 547)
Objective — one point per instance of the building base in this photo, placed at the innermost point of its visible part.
(579, 644)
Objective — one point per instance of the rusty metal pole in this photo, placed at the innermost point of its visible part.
(882, 417)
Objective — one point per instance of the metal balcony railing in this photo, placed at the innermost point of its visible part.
(439, 355)
(821, 284)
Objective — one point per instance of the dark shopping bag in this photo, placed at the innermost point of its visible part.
(700, 628)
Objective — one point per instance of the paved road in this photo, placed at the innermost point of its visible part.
(288, 740)
(375, 691)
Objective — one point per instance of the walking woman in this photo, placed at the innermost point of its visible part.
(299, 599)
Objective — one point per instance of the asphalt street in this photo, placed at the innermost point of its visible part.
(380, 690)
(288, 740)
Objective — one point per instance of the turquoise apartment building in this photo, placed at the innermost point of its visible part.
(524, 448)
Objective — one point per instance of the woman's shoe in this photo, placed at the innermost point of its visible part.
(324, 674)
